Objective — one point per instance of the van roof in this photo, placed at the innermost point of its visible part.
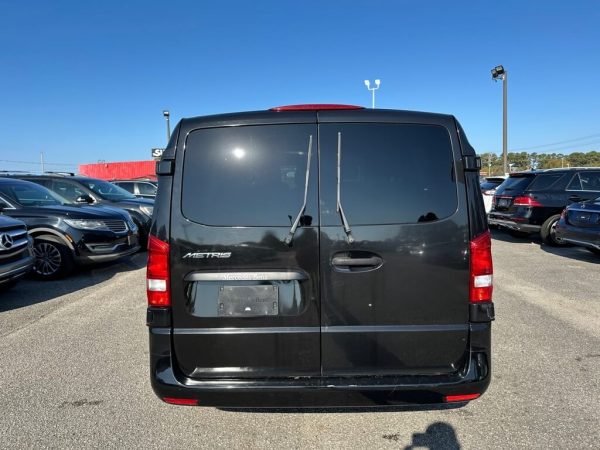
(315, 115)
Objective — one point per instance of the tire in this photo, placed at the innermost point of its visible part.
(53, 260)
(548, 233)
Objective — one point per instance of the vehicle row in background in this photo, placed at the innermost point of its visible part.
(559, 204)
(67, 234)
(92, 191)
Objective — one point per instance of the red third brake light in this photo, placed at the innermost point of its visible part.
(482, 270)
(157, 273)
(314, 107)
(526, 201)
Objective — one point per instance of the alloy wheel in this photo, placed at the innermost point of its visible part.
(47, 259)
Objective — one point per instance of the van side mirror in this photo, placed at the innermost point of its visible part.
(84, 199)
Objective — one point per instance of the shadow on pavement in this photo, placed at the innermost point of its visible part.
(29, 291)
(571, 252)
(437, 436)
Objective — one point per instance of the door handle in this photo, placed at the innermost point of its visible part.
(373, 261)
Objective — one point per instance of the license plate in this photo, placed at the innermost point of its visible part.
(248, 300)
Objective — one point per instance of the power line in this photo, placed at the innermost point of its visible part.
(557, 143)
(37, 163)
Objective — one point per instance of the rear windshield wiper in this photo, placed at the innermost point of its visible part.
(339, 208)
(288, 239)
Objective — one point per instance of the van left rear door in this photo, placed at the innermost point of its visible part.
(244, 302)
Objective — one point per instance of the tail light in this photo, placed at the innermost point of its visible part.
(482, 269)
(460, 397)
(157, 273)
(181, 401)
(526, 201)
(315, 107)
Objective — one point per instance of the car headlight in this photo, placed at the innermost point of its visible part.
(85, 224)
(148, 210)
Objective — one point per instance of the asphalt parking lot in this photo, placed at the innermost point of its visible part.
(74, 372)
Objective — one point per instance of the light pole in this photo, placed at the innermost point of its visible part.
(166, 113)
(498, 72)
(372, 89)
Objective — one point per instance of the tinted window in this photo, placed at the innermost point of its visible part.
(147, 189)
(107, 190)
(68, 190)
(125, 185)
(248, 175)
(30, 194)
(390, 173)
(490, 185)
(514, 185)
(545, 181)
(585, 181)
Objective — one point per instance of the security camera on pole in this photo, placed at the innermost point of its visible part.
(499, 72)
(372, 89)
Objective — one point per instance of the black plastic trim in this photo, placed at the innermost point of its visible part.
(481, 312)
(158, 317)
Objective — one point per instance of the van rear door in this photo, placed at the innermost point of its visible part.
(245, 303)
(394, 288)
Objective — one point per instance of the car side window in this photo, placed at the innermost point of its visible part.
(590, 181)
(67, 190)
(127, 186)
(146, 189)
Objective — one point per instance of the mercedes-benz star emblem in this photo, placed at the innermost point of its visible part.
(6, 241)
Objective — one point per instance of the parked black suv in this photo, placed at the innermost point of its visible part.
(16, 251)
(82, 190)
(319, 255)
(532, 202)
(67, 235)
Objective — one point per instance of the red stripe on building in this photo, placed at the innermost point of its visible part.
(120, 170)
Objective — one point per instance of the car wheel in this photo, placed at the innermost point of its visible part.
(548, 232)
(52, 259)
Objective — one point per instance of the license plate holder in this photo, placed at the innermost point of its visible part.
(248, 301)
(503, 202)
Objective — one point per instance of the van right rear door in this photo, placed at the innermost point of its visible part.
(394, 290)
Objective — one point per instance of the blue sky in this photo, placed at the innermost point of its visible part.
(87, 81)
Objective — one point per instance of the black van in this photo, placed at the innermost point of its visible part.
(319, 255)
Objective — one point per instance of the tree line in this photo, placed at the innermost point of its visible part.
(492, 163)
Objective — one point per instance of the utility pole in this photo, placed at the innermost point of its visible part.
(489, 164)
(167, 114)
(42, 161)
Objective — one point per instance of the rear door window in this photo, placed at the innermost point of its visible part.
(249, 175)
(390, 173)
(128, 186)
(146, 189)
(514, 185)
(585, 181)
(544, 182)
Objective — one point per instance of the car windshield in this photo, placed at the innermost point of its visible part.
(30, 194)
(107, 190)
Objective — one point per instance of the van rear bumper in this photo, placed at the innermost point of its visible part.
(473, 378)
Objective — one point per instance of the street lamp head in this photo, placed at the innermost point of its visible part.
(377, 82)
(499, 70)
(367, 83)
(166, 113)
